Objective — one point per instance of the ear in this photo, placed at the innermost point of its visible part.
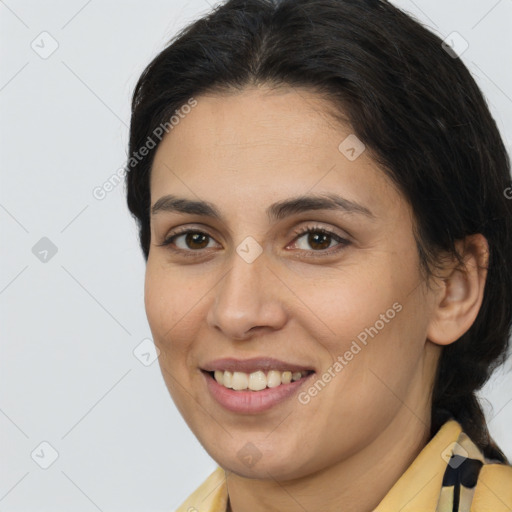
(460, 291)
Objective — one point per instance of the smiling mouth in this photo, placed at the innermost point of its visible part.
(256, 381)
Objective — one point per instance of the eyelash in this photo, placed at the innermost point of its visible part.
(298, 233)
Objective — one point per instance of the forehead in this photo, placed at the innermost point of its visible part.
(261, 145)
(228, 122)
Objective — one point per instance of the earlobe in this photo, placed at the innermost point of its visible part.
(459, 295)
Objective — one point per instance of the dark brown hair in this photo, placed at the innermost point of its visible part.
(414, 105)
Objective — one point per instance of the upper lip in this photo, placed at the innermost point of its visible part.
(252, 365)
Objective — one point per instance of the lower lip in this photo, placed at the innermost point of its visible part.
(249, 402)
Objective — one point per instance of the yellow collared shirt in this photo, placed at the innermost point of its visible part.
(450, 474)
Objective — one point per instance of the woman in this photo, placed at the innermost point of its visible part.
(319, 189)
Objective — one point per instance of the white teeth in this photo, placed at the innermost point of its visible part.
(273, 378)
(286, 377)
(240, 381)
(256, 381)
(228, 379)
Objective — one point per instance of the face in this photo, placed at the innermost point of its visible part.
(270, 276)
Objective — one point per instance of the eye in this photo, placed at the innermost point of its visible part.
(193, 240)
(319, 239)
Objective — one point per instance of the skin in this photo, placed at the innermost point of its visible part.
(242, 152)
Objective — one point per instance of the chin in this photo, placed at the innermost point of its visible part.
(274, 465)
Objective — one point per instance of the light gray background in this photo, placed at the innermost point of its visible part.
(69, 325)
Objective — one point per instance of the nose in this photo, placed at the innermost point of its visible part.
(249, 299)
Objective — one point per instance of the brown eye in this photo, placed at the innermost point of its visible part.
(196, 240)
(187, 241)
(318, 240)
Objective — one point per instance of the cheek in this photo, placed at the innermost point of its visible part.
(374, 319)
(159, 305)
(170, 314)
(169, 309)
(348, 302)
(380, 359)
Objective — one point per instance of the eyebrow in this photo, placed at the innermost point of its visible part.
(275, 211)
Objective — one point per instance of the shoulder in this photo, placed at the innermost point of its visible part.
(494, 489)
(210, 496)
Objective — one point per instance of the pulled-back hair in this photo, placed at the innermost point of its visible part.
(413, 104)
